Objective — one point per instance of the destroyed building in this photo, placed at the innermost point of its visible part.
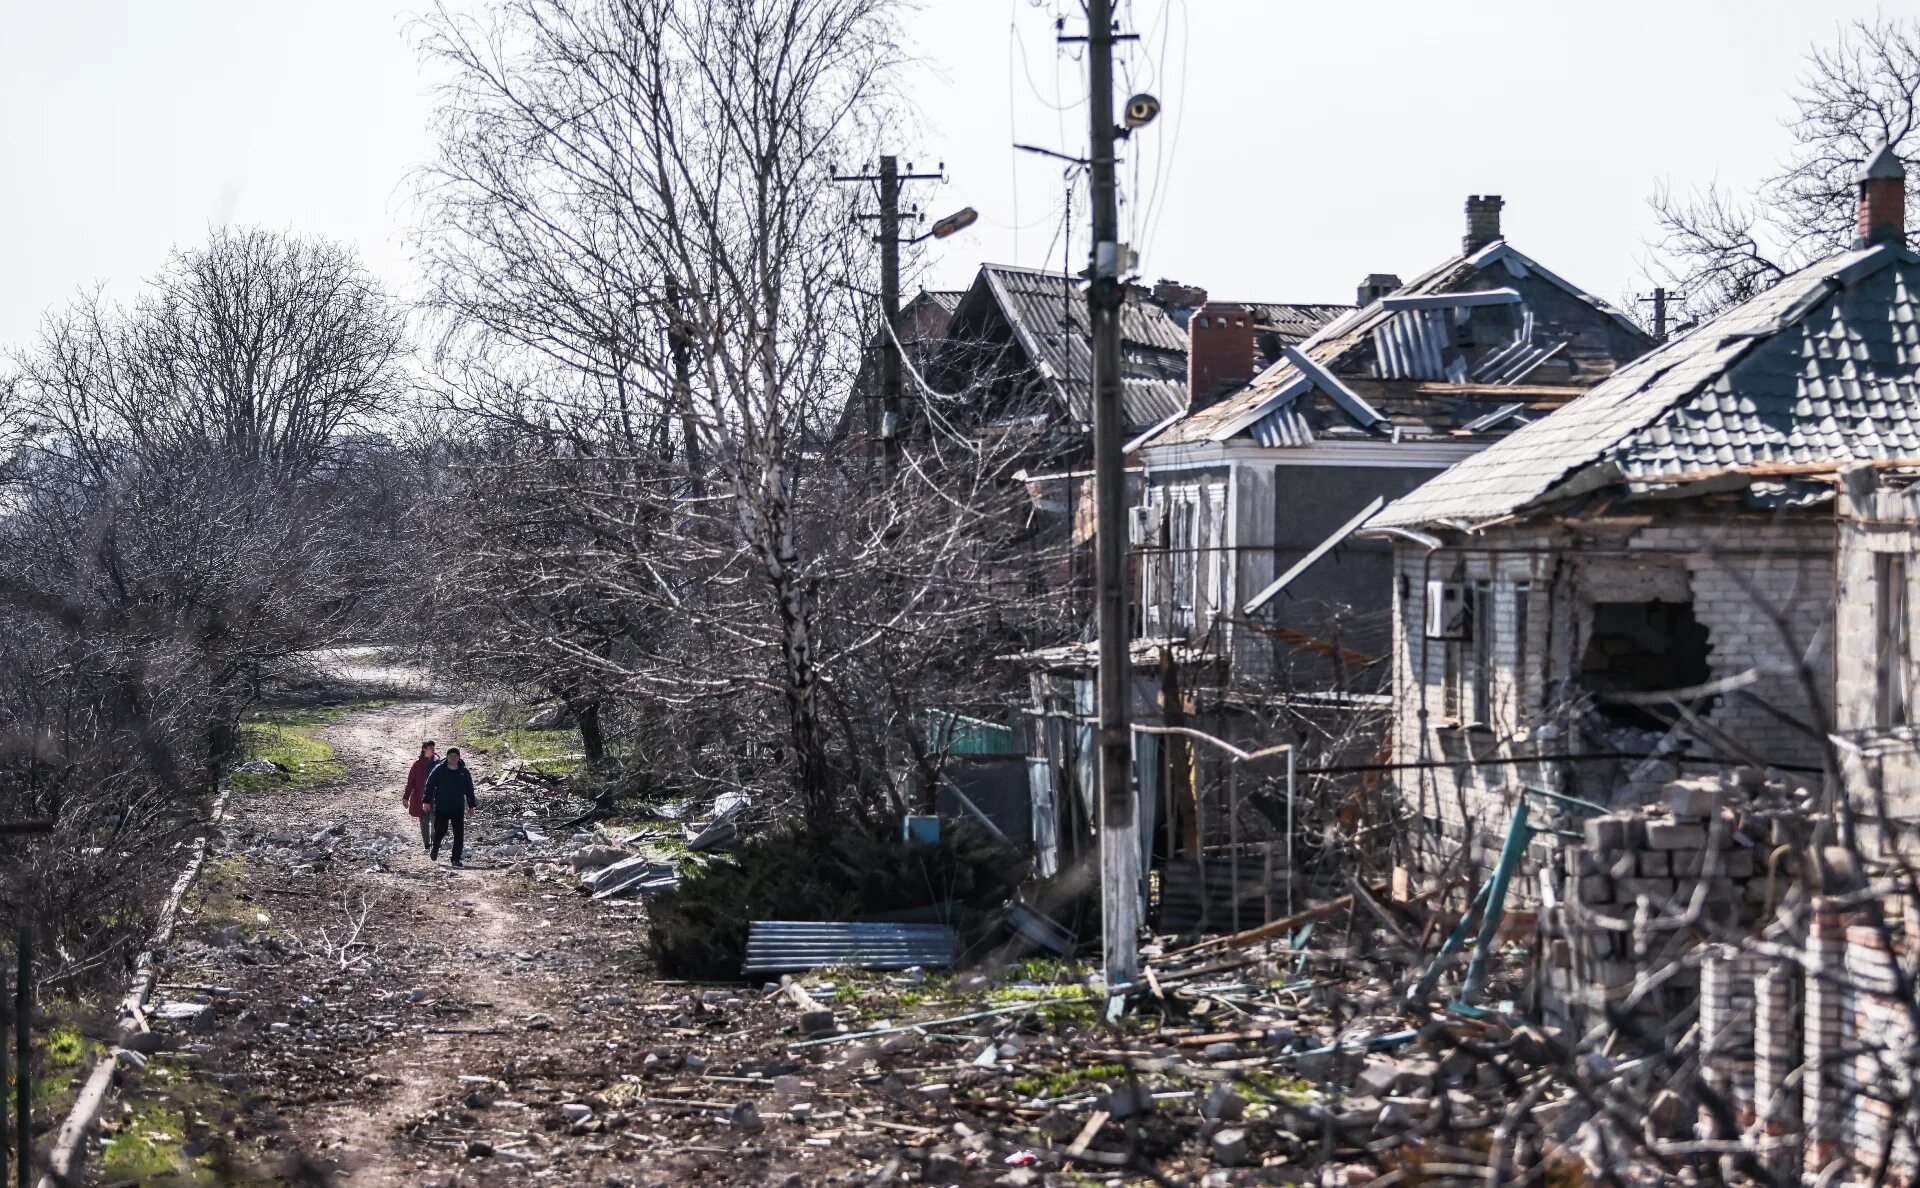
(1643, 581)
(1677, 615)
(1254, 605)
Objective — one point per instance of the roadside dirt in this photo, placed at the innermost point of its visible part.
(378, 1019)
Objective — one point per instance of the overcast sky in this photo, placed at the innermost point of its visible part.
(1301, 145)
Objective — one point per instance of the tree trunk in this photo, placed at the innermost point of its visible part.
(591, 741)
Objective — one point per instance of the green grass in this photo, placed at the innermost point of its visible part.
(1070, 1081)
(290, 738)
(497, 730)
(65, 1055)
(145, 1147)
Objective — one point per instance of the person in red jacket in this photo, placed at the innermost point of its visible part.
(415, 795)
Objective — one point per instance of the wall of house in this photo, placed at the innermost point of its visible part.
(1345, 600)
(1880, 765)
(1761, 586)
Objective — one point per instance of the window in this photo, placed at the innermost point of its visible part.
(1522, 645)
(1890, 639)
(1214, 559)
(1450, 619)
(1183, 539)
(1481, 701)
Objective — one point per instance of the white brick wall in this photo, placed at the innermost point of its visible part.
(1762, 586)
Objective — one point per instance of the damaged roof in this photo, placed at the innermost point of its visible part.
(1408, 331)
(1821, 368)
(1047, 313)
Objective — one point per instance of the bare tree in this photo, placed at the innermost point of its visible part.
(192, 500)
(597, 156)
(1717, 247)
(257, 347)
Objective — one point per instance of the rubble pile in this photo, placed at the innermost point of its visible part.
(1712, 859)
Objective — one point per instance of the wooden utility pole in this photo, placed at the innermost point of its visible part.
(1119, 836)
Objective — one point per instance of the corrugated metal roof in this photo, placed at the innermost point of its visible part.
(1409, 342)
(1048, 313)
(778, 946)
(947, 299)
(1292, 323)
(1824, 366)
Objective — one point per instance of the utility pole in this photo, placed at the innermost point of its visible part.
(1659, 300)
(890, 310)
(1119, 836)
(680, 346)
(889, 240)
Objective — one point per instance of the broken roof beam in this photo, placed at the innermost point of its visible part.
(1452, 300)
(1350, 402)
(1313, 557)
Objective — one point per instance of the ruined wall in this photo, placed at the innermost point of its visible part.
(1880, 766)
(1761, 585)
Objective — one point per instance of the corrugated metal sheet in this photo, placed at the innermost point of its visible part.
(783, 946)
(1293, 324)
(957, 734)
(1820, 368)
(1048, 313)
(1416, 340)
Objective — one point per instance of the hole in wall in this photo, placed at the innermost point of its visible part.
(1643, 647)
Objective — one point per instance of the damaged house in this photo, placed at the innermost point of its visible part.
(1677, 615)
(1260, 620)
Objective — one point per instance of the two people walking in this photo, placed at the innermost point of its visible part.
(439, 793)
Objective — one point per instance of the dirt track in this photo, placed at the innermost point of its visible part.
(355, 1057)
(382, 1020)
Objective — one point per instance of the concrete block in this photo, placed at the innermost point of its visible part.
(1656, 864)
(1606, 834)
(1596, 889)
(1698, 797)
(1676, 835)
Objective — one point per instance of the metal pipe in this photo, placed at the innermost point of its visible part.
(1516, 760)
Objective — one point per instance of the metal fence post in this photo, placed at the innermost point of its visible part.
(23, 1058)
(6, 1055)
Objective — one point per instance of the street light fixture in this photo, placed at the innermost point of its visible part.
(953, 224)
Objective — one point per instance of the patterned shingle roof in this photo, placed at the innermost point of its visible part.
(1824, 367)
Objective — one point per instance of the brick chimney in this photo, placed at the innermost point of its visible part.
(1883, 200)
(1219, 351)
(1483, 222)
(1376, 286)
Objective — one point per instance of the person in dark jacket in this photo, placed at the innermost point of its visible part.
(450, 792)
(416, 792)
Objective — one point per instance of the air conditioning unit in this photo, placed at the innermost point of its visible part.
(1449, 610)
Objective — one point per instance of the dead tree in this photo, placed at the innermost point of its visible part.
(1718, 246)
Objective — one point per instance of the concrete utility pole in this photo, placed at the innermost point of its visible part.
(1659, 300)
(890, 310)
(889, 240)
(1119, 836)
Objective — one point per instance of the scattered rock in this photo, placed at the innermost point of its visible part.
(746, 1119)
(1229, 1146)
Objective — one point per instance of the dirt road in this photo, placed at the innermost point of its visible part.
(393, 1020)
(379, 1019)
